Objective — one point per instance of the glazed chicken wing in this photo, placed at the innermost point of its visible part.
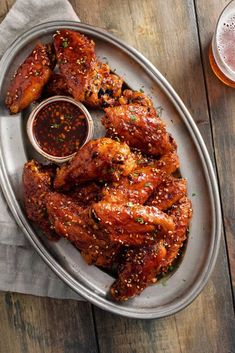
(140, 127)
(101, 159)
(30, 78)
(37, 182)
(140, 266)
(140, 184)
(181, 212)
(102, 88)
(135, 188)
(73, 223)
(76, 58)
(88, 80)
(132, 224)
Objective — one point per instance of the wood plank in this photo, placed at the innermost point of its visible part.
(167, 35)
(32, 324)
(222, 109)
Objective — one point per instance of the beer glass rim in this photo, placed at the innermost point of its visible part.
(215, 35)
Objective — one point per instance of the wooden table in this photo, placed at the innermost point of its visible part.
(174, 35)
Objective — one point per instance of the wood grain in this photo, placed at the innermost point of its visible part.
(166, 32)
(222, 109)
(32, 324)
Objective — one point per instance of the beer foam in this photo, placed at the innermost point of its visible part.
(225, 39)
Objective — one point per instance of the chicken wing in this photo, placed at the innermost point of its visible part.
(30, 78)
(140, 184)
(87, 79)
(37, 182)
(73, 223)
(101, 159)
(140, 266)
(76, 58)
(140, 127)
(131, 224)
(138, 269)
(181, 212)
(102, 88)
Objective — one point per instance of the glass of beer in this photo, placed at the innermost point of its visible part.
(222, 50)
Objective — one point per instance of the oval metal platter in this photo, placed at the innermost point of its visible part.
(183, 285)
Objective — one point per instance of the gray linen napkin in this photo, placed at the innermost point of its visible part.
(21, 268)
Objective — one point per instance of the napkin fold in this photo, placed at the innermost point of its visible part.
(21, 268)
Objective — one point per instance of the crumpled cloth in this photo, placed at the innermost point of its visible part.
(21, 268)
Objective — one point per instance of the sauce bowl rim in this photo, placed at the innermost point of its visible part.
(39, 107)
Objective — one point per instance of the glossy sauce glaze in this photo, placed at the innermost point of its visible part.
(60, 128)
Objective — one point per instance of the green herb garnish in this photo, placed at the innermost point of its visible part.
(133, 117)
(130, 204)
(117, 139)
(141, 90)
(164, 281)
(148, 185)
(193, 194)
(106, 60)
(67, 223)
(36, 73)
(139, 220)
(67, 116)
(55, 126)
(65, 43)
(171, 268)
(136, 174)
(159, 111)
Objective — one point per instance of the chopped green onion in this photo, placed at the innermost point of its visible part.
(159, 111)
(133, 117)
(55, 126)
(67, 116)
(65, 43)
(117, 139)
(148, 185)
(139, 220)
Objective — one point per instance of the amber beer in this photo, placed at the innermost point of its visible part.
(222, 50)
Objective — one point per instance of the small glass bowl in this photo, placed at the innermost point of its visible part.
(42, 105)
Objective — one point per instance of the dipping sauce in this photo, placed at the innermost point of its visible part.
(60, 128)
